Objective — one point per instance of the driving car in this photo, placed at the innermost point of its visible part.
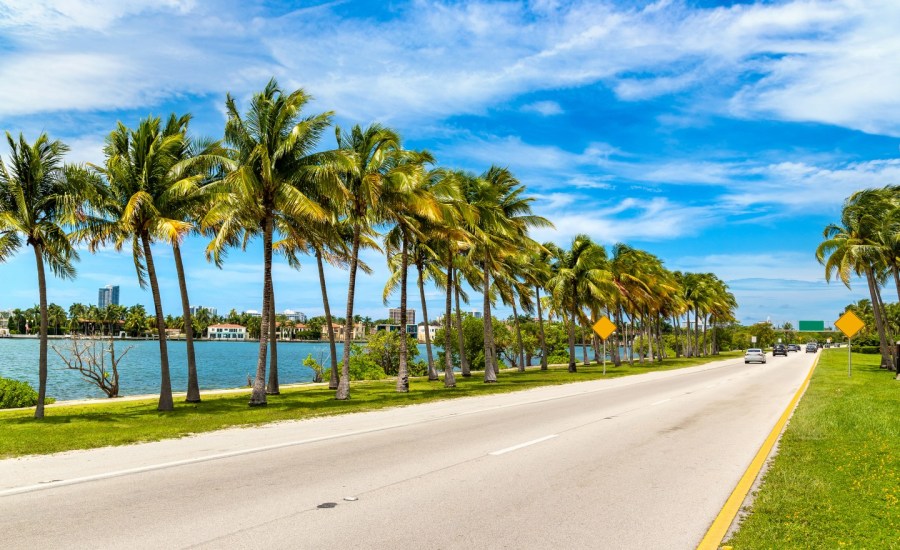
(779, 349)
(812, 347)
(755, 355)
(793, 347)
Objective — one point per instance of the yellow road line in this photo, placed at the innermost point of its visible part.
(720, 525)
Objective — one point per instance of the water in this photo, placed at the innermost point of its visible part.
(219, 365)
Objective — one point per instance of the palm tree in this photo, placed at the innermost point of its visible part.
(39, 198)
(140, 168)
(502, 217)
(852, 247)
(579, 274)
(371, 150)
(275, 173)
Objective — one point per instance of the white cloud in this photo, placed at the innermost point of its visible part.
(546, 108)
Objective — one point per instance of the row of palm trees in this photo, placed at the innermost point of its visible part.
(866, 243)
(269, 178)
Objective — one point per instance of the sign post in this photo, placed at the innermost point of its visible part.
(604, 327)
(849, 324)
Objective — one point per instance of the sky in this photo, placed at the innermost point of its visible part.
(720, 136)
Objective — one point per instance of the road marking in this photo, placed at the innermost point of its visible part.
(522, 445)
(661, 402)
(720, 525)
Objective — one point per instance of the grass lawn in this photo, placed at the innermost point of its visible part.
(836, 479)
(117, 422)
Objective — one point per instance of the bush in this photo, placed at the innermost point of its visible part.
(15, 394)
(872, 350)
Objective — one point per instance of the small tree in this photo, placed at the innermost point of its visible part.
(90, 360)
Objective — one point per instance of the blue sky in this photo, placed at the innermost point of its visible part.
(720, 136)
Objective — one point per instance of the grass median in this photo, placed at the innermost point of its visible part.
(119, 422)
(835, 481)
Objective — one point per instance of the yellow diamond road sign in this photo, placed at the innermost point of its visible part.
(849, 324)
(604, 327)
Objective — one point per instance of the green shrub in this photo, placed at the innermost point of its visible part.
(872, 350)
(15, 394)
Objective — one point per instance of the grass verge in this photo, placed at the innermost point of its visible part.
(836, 479)
(116, 422)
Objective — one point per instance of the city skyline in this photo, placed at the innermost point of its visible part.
(720, 136)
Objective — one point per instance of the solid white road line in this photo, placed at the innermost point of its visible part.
(521, 445)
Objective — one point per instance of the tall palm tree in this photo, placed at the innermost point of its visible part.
(275, 172)
(406, 201)
(502, 216)
(537, 273)
(580, 274)
(852, 247)
(39, 198)
(140, 168)
(372, 150)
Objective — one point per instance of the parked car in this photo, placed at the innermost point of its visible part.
(812, 347)
(755, 355)
(779, 349)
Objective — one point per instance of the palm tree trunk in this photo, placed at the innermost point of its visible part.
(583, 346)
(258, 395)
(571, 327)
(896, 272)
(403, 368)
(165, 383)
(333, 379)
(272, 387)
(490, 371)
(537, 290)
(449, 376)
(519, 351)
(42, 353)
(886, 362)
(432, 371)
(193, 388)
(343, 389)
(464, 367)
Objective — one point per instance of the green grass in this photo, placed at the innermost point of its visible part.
(117, 422)
(836, 479)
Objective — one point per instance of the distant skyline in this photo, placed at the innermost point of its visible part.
(720, 136)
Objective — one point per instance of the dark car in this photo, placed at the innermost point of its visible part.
(793, 347)
(779, 349)
(812, 347)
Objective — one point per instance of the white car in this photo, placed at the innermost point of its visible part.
(755, 355)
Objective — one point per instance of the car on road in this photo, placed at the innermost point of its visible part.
(755, 355)
(793, 347)
(812, 347)
(779, 349)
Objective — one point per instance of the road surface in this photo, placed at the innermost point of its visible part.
(638, 462)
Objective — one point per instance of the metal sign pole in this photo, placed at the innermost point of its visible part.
(604, 357)
(849, 359)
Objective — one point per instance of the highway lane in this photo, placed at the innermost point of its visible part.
(644, 461)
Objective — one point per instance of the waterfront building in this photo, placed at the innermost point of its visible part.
(295, 316)
(213, 312)
(394, 316)
(432, 330)
(227, 331)
(411, 329)
(253, 313)
(359, 332)
(107, 296)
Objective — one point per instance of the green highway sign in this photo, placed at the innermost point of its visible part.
(812, 326)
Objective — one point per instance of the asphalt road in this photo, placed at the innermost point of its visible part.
(639, 462)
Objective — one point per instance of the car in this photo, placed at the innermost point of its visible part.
(793, 347)
(755, 355)
(779, 349)
(812, 347)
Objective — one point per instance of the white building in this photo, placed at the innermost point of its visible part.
(432, 330)
(295, 316)
(227, 332)
(253, 313)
